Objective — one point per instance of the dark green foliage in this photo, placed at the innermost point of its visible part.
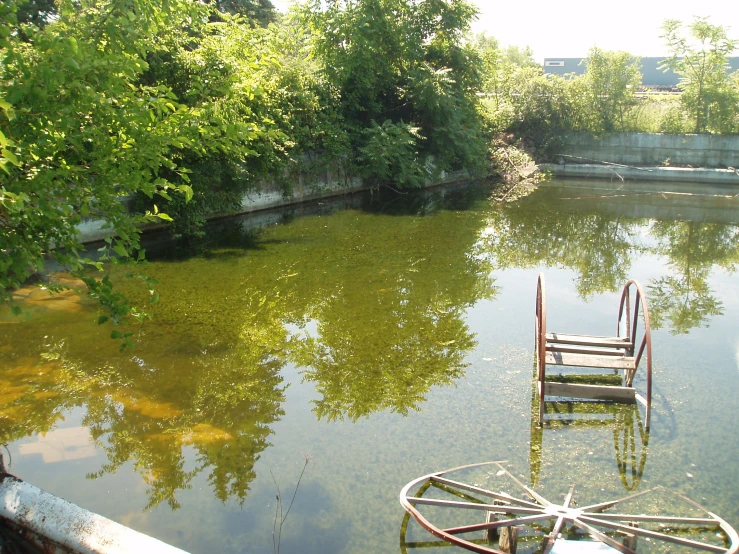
(400, 64)
(390, 155)
(260, 12)
(542, 108)
(36, 12)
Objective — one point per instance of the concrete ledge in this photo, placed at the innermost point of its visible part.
(712, 151)
(269, 196)
(665, 174)
(54, 525)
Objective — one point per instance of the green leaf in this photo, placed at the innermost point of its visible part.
(120, 250)
(102, 319)
(115, 334)
(164, 216)
(8, 155)
(9, 113)
(187, 189)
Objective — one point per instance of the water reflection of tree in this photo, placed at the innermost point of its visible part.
(598, 247)
(386, 315)
(385, 324)
(684, 299)
(223, 410)
(34, 393)
(363, 364)
(146, 408)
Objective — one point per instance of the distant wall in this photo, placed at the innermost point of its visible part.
(709, 151)
(703, 176)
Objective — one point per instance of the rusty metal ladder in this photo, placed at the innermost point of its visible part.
(616, 353)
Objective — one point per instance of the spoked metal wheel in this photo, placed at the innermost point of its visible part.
(546, 523)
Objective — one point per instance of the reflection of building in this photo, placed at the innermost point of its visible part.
(630, 437)
(652, 75)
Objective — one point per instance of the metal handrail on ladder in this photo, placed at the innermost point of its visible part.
(594, 347)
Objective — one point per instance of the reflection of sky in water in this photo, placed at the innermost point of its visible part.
(69, 443)
(384, 347)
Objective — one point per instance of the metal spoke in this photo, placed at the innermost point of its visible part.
(602, 537)
(497, 495)
(536, 496)
(656, 519)
(653, 534)
(608, 504)
(497, 524)
(472, 506)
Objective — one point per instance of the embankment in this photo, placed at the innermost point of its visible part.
(710, 159)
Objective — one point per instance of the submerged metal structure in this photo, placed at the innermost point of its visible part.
(555, 528)
(622, 352)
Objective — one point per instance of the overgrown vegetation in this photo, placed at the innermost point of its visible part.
(185, 106)
(540, 108)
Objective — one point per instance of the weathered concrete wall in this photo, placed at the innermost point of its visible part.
(47, 523)
(269, 195)
(664, 174)
(711, 151)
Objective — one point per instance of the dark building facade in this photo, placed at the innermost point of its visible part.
(652, 76)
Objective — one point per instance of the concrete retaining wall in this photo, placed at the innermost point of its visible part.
(664, 174)
(269, 195)
(46, 523)
(710, 151)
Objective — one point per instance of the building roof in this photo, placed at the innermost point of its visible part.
(651, 74)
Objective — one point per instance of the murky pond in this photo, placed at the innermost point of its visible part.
(380, 340)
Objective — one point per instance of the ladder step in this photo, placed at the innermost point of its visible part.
(589, 340)
(578, 349)
(590, 360)
(597, 392)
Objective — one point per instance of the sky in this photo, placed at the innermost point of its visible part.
(569, 28)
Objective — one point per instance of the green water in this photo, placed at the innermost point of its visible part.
(384, 339)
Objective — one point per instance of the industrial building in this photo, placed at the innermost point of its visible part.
(652, 75)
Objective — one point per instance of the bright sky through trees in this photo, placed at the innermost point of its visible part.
(569, 28)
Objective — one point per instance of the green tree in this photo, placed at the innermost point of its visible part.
(81, 131)
(701, 61)
(543, 107)
(36, 12)
(261, 12)
(611, 80)
(403, 62)
(521, 56)
(499, 67)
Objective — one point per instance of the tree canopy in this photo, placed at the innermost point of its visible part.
(133, 112)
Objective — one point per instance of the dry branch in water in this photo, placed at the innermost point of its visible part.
(516, 169)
